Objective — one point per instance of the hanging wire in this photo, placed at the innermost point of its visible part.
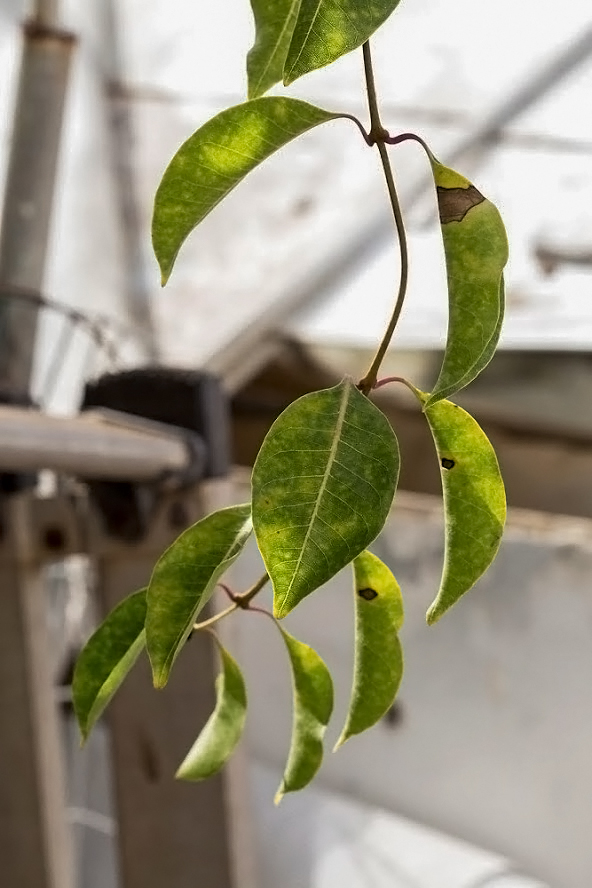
(107, 334)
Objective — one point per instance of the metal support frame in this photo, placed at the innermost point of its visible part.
(150, 471)
(169, 832)
(28, 202)
(34, 842)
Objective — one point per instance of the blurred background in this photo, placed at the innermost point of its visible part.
(481, 773)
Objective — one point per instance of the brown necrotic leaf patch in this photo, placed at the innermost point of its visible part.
(367, 594)
(447, 463)
(455, 203)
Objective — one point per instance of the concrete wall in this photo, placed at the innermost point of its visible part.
(493, 740)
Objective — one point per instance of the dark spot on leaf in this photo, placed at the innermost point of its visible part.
(447, 463)
(455, 203)
(367, 594)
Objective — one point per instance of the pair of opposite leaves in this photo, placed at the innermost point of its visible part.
(295, 37)
(115, 646)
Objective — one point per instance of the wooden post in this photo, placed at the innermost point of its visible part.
(170, 833)
(34, 841)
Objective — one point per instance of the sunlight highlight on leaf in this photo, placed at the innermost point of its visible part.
(274, 26)
(323, 484)
(216, 158)
(328, 29)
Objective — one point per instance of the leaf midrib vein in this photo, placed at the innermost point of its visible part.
(323, 485)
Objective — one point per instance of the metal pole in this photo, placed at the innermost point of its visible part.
(136, 295)
(28, 200)
(35, 847)
(45, 13)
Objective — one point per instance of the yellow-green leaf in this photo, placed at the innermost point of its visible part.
(222, 732)
(106, 659)
(474, 501)
(274, 26)
(323, 484)
(313, 705)
(328, 29)
(378, 666)
(476, 251)
(185, 577)
(216, 158)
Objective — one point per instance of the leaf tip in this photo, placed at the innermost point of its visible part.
(342, 739)
(279, 795)
(434, 613)
(280, 610)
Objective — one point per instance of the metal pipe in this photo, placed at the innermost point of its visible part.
(28, 202)
(91, 446)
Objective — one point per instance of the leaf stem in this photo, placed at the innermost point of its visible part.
(245, 599)
(216, 617)
(239, 602)
(379, 135)
(388, 379)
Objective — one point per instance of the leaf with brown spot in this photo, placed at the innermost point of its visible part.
(476, 251)
(378, 666)
(474, 500)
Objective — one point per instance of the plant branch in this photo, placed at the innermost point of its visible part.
(378, 135)
(239, 602)
(216, 617)
(245, 599)
(388, 379)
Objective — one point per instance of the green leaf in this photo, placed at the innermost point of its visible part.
(327, 29)
(183, 581)
(378, 666)
(492, 344)
(313, 705)
(106, 659)
(476, 251)
(274, 25)
(474, 501)
(216, 158)
(223, 730)
(323, 484)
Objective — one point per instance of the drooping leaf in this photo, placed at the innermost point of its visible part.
(313, 705)
(474, 500)
(216, 158)
(327, 29)
(274, 26)
(378, 666)
(323, 484)
(476, 251)
(184, 579)
(492, 344)
(224, 728)
(106, 659)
